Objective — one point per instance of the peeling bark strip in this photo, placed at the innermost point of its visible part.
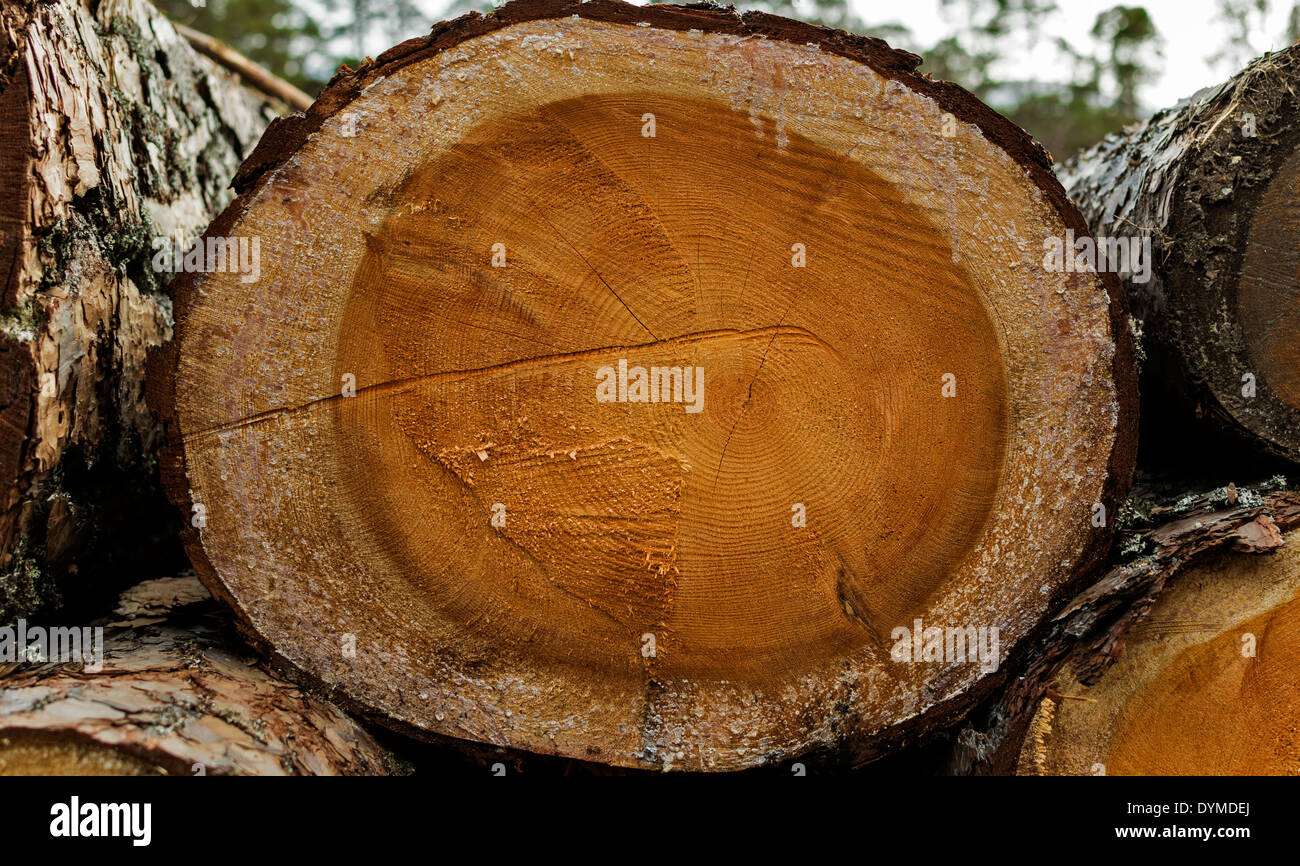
(176, 696)
(431, 472)
(113, 132)
(1213, 181)
(1088, 634)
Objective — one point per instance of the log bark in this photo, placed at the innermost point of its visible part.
(1212, 182)
(419, 474)
(178, 694)
(1206, 685)
(114, 133)
(1165, 535)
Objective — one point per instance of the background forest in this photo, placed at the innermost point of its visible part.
(1108, 69)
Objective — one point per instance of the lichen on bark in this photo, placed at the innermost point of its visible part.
(116, 134)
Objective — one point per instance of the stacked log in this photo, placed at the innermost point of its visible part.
(1210, 184)
(658, 388)
(117, 141)
(165, 688)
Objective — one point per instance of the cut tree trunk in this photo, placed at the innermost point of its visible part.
(1163, 536)
(175, 696)
(418, 462)
(1206, 686)
(1215, 183)
(113, 133)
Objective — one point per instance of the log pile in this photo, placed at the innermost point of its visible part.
(115, 136)
(638, 428)
(659, 388)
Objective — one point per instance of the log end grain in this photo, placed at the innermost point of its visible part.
(1205, 685)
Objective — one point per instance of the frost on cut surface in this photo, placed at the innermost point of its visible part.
(114, 133)
(178, 694)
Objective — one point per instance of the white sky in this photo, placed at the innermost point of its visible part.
(1189, 30)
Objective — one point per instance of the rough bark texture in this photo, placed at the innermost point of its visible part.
(178, 694)
(1193, 178)
(1161, 535)
(114, 132)
(330, 519)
